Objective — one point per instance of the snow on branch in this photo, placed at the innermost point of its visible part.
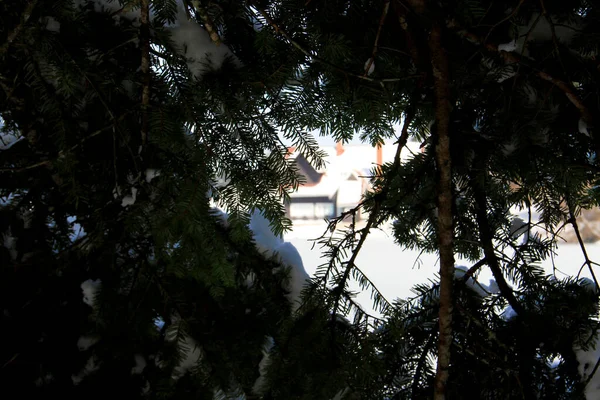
(513, 57)
(198, 43)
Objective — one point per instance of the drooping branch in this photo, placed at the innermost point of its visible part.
(145, 48)
(486, 235)
(473, 270)
(515, 58)
(441, 76)
(278, 29)
(422, 361)
(350, 264)
(374, 213)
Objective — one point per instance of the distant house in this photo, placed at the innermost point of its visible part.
(340, 186)
(327, 193)
(316, 198)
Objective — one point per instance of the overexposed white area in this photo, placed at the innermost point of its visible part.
(395, 270)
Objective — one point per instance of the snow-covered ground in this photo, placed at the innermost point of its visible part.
(395, 270)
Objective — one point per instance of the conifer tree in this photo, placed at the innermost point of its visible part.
(126, 123)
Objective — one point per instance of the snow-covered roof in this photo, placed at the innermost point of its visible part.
(327, 187)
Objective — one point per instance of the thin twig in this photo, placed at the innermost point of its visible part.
(588, 262)
(386, 7)
(509, 16)
(421, 362)
(486, 234)
(408, 118)
(350, 264)
(145, 48)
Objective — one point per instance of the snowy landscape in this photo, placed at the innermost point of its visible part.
(395, 270)
(151, 152)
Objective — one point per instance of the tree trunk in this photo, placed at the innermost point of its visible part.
(439, 63)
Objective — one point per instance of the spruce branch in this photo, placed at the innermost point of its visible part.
(573, 221)
(441, 76)
(476, 267)
(386, 7)
(491, 258)
(15, 32)
(208, 23)
(373, 214)
(409, 116)
(350, 264)
(145, 48)
(278, 29)
(511, 57)
(421, 362)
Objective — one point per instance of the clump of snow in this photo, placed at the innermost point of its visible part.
(116, 192)
(286, 253)
(159, 322)
(510, 46)
(44, 380)
(146, 389)
(589, 285)
(492, 287)
(508, 148)
(587, 361)
(7, 140)
(89, 289)
(151, 174)
(341, 394)
(77, 231)
(10, 243)
(140, 364)
(480, 288)
(192, 356)
(221, 215)
(370, 63)
(258, 387)
(264, 238)
(90, 367)
(52, 24)
(128, 86)
(129, 199)
(509, 313)
(518, 227)
(85, 342)
(583, 127)
(506, 73)
(460, 271)
(193, 42)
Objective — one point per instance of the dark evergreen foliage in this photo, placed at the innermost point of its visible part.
(175, 277)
